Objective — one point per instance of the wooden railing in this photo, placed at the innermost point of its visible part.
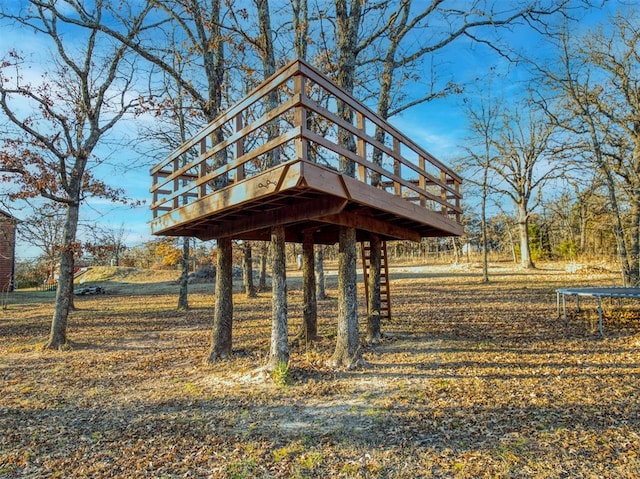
(293, 116)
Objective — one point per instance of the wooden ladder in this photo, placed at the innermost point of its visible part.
(385, 293)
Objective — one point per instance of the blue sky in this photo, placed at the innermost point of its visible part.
(438, 126)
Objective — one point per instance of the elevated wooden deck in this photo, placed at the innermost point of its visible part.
(278, 161)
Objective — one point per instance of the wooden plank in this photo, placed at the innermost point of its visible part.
(323, 179)
(396, 167)
(362, 146)
(239, 147)
(260, 186)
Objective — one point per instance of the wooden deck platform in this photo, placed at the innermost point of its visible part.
(278, 161)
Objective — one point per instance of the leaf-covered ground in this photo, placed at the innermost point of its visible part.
(474, 380)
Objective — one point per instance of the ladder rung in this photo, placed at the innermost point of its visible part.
(385, 296)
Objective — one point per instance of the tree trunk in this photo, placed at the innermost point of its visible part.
(221, 345)
(348, 21)
(634, 229)
(347, 353)
(523, 229)
(512, 243)
(262, 284)
(483, 224)
(457, 251)
(64, 293)
(269, 68)
(279, 351)
(183, 296)
(247, 271)
(525, 251)
(301, 27)
(309, 330)
(321, 292)
(374, 334)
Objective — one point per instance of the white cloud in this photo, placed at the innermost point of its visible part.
(438, 136)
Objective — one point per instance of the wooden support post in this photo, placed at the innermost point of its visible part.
(443, 193)
(422, 181)
(154, 199)
(300, 119)
(176, 182)
(202, 191)
(239, 148)
(362, 146)
(397, 189)
(457, 188)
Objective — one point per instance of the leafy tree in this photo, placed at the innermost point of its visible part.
(49, 147)
(170, 254)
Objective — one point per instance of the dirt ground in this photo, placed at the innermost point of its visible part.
(472, 380)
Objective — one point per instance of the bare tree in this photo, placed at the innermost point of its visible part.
(599, 100)
(614, 58)
(483, 118)
(107, 243)
(43, 229)
(347, 352)
(198, 34)
(51, 147)
(524, 163)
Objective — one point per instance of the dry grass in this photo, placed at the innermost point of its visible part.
(474, 380)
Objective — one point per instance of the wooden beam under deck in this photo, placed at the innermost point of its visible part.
(371, 225)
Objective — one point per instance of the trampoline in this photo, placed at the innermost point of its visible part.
(596, 292)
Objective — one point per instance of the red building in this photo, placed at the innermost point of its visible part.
(7, 251)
